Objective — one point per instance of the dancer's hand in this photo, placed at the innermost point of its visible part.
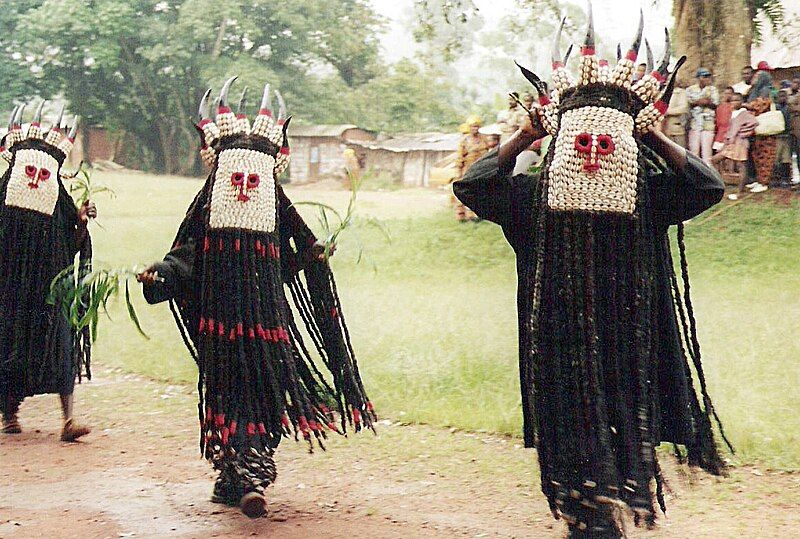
(87, 211)
(532, 124)
(149, 276)
(318, 250)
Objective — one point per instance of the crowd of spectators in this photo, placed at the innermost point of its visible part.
(750, 131)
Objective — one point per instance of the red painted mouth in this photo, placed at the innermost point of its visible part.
(591, 166)
(32, 185)
(242, 197)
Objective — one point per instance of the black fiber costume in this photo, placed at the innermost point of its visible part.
(226, 286)
(607, 339)
(40, 352)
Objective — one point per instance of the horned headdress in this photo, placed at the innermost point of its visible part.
(267, 134)
(595, 120)
(595, 71)
(54, 138)
(36, 158)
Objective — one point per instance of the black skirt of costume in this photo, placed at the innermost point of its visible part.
(606, 349)
(258, 381)
(39, 350)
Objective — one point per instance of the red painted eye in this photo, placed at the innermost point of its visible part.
(605, 144)
(237, 178)
(30, 171)
(583, 143)
(44, 174)
(252, 181)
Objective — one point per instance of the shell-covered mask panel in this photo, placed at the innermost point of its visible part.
(595, 163)
(243, 194)
(33, 182)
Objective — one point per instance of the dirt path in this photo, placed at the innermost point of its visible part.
(139, 475)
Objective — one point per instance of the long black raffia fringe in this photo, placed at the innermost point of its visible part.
(579, 385)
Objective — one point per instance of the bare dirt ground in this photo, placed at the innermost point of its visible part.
(139, 474)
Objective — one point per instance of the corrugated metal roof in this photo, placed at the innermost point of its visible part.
(319, 130)
(436, 142)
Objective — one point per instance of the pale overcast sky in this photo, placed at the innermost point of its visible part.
(615, 20)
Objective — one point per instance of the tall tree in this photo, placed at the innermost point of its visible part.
(140, 66)
(718, 34)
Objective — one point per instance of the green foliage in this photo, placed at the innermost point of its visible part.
(333, 229)
(84, 295)
(141, 66)
(406, 99)
(83, 189)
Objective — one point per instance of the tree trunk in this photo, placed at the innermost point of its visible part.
(715, 34)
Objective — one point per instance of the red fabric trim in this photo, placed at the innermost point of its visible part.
(265, 112)
(661, 106)
(587, 51)
(632, 56)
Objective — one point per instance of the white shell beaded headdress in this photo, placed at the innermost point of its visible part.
(35, 158)
(594, 120)
(596, 74)
(53, 138)
(229, 130)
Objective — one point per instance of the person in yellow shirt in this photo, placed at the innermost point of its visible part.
(472, 147)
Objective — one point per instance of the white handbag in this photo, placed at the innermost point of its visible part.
(771, 122)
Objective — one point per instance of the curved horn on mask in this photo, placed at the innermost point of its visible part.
(637, 41)
(663, 68)
(12, 117)
(240, 109)
(534, 80)
(263, 124)
(282, 159)
(566, 56)
(57, 124)
(68, 142)
(35, 127)
(285, 143)
(281, 107)
(652, 114)
(18, 117)
(223, 94)
(53, 136)
(588, 42)
(555, 56)
(204, 109)
(37, 116)
(649, 53)
(225, 120)
(266, 102)
(666, 95)
(74, 129)
(619, 52)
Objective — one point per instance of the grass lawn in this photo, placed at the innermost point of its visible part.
(434, 324)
